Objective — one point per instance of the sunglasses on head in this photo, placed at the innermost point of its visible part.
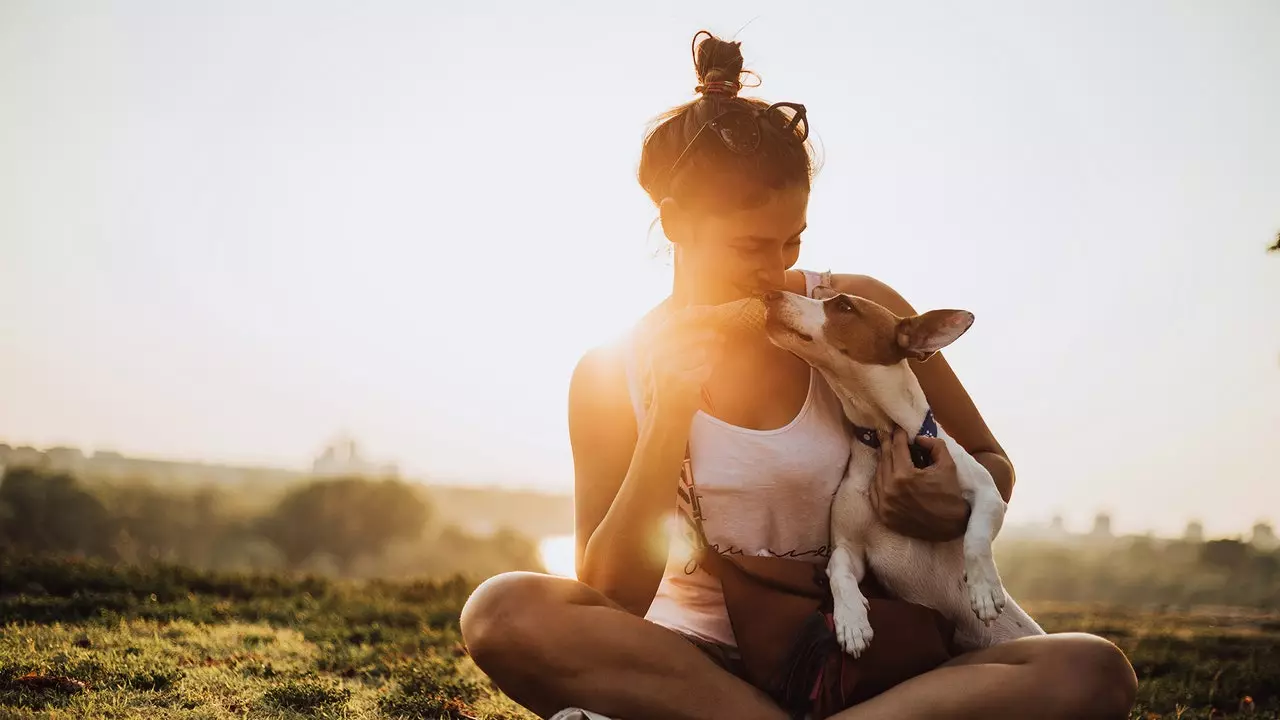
(740, 129)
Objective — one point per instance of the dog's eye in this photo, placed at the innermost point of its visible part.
(843, 303)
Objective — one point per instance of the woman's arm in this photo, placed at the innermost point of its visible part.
(952, 406)
(619, 501)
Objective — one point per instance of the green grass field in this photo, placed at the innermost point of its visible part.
(91, 641)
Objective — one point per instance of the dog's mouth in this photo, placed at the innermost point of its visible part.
(778, 325)
(776, 320)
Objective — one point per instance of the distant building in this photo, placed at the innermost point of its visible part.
(1263, 537)
(1057, 525)
(1101, 526)
(1194, 532)
(342, 458)
(1054, 531)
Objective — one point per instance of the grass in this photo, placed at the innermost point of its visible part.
(84, 640)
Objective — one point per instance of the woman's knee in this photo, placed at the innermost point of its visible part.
(1093, 677)
(513, 615)
(498, 612)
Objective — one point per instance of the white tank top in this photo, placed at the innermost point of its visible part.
(762, 492)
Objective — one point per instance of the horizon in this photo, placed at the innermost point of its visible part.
(1071, 523)
(231, 233)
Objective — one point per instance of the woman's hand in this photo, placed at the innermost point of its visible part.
(682, 353)
(924, 503)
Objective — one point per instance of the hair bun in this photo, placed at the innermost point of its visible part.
(718, 64)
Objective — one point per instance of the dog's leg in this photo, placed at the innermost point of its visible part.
(851, 519)
(846, 569)
(986, 591)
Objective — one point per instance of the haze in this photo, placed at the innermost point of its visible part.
(232, 230)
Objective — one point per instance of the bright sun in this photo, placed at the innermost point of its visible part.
(557, 553)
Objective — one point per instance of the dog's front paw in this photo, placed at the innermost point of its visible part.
(853, 627)
(986, 592)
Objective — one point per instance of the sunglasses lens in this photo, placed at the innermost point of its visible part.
(739, 132)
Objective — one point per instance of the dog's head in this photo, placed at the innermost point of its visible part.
(846, 334)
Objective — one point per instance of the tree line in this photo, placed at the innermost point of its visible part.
(1142, 572)
(342, 527)
(363, 528)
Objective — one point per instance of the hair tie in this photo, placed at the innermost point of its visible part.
(719, 87)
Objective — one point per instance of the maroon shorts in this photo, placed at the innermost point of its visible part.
(726, 656)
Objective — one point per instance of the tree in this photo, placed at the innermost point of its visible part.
(43, 511)
(344, 518)
(1229, 554)
(171, 525)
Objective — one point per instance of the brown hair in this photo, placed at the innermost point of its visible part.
(713, 177)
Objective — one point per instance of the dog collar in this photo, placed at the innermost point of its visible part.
(919, 456)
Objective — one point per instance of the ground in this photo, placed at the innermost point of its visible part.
(87, 640)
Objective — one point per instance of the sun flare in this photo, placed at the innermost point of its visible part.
(557, 555)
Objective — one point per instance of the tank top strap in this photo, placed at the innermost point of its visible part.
(812, 279)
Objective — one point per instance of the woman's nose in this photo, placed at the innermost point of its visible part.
(771, 278)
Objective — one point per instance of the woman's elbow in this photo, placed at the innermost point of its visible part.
(997, 463)
(631, 588)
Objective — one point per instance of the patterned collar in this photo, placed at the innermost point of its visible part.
(919, 456)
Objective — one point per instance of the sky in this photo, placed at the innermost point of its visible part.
(231, 230)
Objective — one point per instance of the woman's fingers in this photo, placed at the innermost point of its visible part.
(901, 453)
(938, 450)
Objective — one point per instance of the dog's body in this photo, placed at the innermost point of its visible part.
(862, 349)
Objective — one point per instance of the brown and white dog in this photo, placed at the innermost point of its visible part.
(862, 349)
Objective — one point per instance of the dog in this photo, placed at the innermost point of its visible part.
(862, 349)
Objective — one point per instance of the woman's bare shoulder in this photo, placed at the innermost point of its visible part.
(600, 387)
(873, 290)
(607, 361)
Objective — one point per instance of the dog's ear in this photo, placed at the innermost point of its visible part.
(923, 335)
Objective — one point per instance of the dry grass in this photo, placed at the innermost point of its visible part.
(91, 641)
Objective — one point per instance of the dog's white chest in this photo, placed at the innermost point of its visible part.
(927, 573)
(911, 569)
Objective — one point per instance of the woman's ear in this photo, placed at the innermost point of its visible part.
(675, 221)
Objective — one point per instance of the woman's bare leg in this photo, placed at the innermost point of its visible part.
(1068, 675)
(552, 643)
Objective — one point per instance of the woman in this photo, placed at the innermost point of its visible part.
(636, 636)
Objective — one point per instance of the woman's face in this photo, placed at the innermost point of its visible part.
(735, 254)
